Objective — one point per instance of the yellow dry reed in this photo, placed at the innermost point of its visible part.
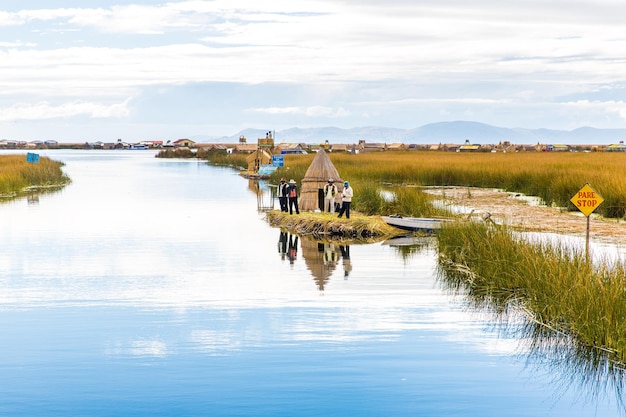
(325, 225)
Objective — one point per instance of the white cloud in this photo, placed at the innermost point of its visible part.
(44, 110)
(447, 52)
(17, 44)
(313, 111)
(617, 107)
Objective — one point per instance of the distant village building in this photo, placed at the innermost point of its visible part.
(558, 148)
(396, 147)
(339, 147)
(364, 146)
(617, 147)
(246, 148)
(186, 143)
(290, 148)
(468, 147)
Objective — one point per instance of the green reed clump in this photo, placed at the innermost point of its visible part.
(411, 201)
(16, 175)
(368, 199)
(213, 156)
(558, 286)
(176, 153)
(555, 177)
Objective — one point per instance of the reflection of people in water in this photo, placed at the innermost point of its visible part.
(330, 255)
(293, 248)
(282, 245)
(347, 265)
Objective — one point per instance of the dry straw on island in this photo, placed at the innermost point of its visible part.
(17, 175)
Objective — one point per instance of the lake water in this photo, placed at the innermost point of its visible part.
(152, 287)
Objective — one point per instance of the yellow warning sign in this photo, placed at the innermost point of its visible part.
(587, 200)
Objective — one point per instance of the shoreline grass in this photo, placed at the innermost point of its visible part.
(558, 287)
(19, 177)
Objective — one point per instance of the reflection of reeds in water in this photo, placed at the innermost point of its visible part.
(407, 246)
(576, 310)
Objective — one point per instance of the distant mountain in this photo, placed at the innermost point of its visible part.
(433, 133)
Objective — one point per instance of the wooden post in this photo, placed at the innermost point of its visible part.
(587, 239)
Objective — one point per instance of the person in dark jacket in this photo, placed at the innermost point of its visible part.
(282, 195)
(293, 197)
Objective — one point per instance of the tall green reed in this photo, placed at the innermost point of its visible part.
(558, 286)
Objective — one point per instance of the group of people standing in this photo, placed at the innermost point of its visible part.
(330, 193)
(288, 197)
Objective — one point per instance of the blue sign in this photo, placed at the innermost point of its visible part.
(278, 160)
(33, 158)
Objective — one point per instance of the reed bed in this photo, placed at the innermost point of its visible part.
(554, 177)
(215, 157)
(557, 286)
(18, 176)
(326, 225)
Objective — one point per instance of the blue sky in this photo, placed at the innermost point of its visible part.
(75, 70)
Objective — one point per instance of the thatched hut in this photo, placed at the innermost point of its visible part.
(258, 158)
(316, 176)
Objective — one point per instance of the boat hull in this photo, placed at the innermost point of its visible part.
(413, 223)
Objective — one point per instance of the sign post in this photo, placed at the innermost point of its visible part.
(278, 161)
(587, 200)
(32, 158)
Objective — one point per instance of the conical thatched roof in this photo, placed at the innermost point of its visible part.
(320, 170)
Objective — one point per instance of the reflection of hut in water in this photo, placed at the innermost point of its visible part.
(263, 192)
(321, 259)
(316, 176)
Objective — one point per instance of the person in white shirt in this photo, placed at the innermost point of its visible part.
(346, 200)
(330, 191)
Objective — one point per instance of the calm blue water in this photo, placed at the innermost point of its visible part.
(153, 287)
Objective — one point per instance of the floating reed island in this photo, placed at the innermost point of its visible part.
(19, 177)
(329, 226)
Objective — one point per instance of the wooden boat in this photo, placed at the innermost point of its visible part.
(413, 223)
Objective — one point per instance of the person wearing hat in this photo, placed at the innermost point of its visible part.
(330, 191)
(292, 192)
(346, 200)
(282, 195)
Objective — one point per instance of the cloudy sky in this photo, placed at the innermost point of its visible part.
(78, 70)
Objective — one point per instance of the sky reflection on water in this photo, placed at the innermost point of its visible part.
(153, 287)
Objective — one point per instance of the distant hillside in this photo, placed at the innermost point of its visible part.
(442, 132)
